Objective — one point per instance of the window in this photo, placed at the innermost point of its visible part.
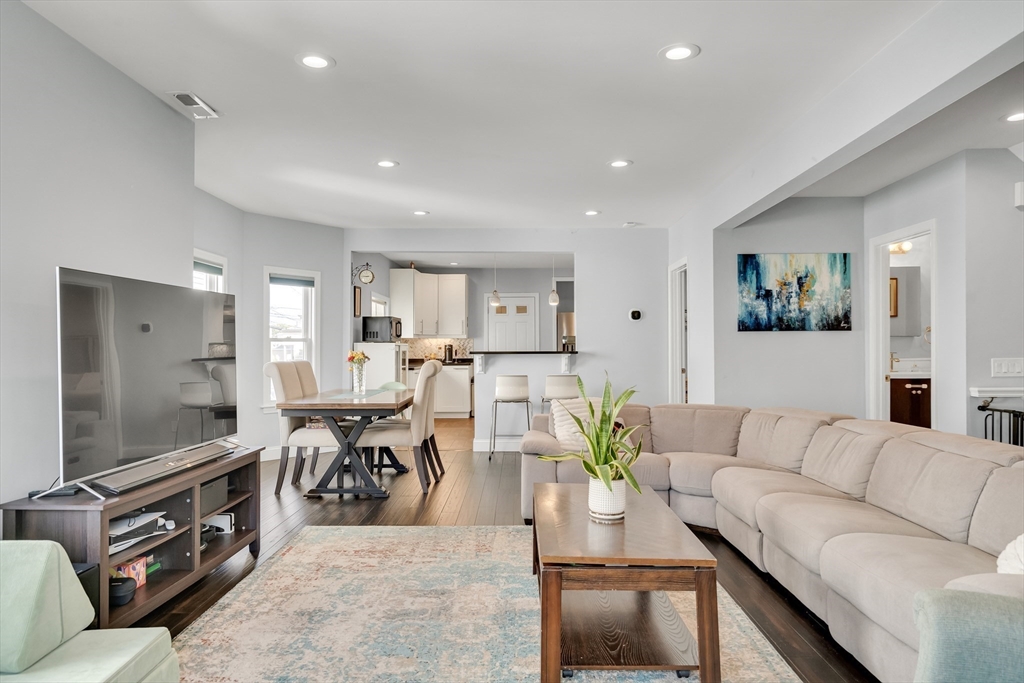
(379, 304)
(208, 271)
(291, 318)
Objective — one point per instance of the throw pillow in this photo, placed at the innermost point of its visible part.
(1011, 560)
(564, 428)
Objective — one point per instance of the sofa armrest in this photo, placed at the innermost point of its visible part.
(536, 442)
(968, 636)
(540, 422)
(1011, 585)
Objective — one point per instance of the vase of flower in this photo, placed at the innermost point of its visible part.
(608, 455)
(357, 365)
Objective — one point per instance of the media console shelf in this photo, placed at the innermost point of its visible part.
(81, 525)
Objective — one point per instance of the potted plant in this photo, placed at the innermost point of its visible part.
(356, 362)
(608, 454)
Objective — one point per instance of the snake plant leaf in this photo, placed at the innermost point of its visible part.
(604, 472)
(627, 475)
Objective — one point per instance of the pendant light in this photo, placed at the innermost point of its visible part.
(553, 296)
(494, 299)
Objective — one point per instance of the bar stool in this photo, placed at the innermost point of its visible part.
(194, 396)
(510, 389)
(559, 387)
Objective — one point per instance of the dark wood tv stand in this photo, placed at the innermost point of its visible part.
(81, 524)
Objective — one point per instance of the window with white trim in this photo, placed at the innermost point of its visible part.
(379, 304)
(208, 271)
(291, 318)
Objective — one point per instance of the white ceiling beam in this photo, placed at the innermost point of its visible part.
(951, 51)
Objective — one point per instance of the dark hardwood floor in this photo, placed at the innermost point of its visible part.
(477, 492)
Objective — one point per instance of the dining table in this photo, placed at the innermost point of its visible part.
(347, 414)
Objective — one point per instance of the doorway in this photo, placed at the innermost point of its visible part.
(679, 382)
(512, 325)
(901, 307)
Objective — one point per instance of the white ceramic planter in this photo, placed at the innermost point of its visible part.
(607, 506)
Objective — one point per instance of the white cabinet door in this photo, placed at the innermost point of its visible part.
(452, 306)
(403, 300)
(452, 390)
(425, 304)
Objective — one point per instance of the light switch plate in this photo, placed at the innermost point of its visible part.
(1008, 367)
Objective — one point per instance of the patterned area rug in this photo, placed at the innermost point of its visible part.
(411, 604)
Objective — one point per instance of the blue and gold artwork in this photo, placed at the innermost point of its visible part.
(793, 292)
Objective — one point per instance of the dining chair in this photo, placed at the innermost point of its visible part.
(430, 445)
(410, 433)
(292, 380)
(559, 388)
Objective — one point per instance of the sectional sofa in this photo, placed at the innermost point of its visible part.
(853, 517)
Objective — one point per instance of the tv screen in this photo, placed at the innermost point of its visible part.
(145, 370)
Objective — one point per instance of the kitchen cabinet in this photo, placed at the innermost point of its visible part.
(910, 401)
(452, 305)
(430, 305)
(452, 390)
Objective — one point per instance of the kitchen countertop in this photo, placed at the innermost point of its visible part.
(462, 360)
(522, 353)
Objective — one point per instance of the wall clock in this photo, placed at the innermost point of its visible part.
(363, 273)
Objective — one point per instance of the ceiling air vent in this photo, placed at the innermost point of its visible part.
(193, 106)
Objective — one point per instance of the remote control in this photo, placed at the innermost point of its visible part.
(68, 491)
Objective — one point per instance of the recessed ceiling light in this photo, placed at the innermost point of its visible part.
(315, 61)
(591, 213)
(620, 163)
(1016, 117)
(421, 213)
(679, 51)
(387, 163)
(630, 224)
(453, 263)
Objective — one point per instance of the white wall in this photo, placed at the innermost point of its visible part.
(816, 370)
(615, 270)
(218, 230)
(936, 193)
(97, 174)
(995, 278)
(268, 241)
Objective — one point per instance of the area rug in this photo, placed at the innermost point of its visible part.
(411, 604)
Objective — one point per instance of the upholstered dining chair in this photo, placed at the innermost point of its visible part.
(414, 432)
(292, 380)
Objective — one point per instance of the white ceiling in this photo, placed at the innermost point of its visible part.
(502, 114)
(973, 122)
(482, 260)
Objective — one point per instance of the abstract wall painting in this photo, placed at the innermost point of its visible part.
(793, 292)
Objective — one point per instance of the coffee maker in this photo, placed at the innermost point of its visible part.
(449, 353)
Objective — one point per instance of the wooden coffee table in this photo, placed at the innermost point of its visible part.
(603, 604)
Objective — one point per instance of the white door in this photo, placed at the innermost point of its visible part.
(451, 305)
(512, 326)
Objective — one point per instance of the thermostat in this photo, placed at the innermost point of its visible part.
(635, 314)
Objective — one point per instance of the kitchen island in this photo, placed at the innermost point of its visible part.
(536, 365)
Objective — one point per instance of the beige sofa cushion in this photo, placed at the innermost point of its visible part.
(935, 489)
(994, 584)
(695, 428)
(738, 489)
(779, 436)
(536, 442)
(842, 458)
(638, 415)
(880, 573)
(893, 429)
(650, 469)
(800, 524)
(999, 516)
(970, 446)
(692, 472)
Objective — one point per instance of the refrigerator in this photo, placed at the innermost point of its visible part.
(388, 363)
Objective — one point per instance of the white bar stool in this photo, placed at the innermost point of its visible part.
(194, 396)
(559, 387)
(510, 389)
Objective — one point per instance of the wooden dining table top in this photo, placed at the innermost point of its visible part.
(344, 399)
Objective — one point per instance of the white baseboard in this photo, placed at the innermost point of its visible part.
(447, 416)
(274, 452)
(502, 443)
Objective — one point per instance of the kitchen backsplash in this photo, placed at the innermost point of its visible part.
(422, 348)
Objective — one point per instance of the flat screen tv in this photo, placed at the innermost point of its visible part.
(146, 375)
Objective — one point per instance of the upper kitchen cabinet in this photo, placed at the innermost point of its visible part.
(452, 305)
(429, 305)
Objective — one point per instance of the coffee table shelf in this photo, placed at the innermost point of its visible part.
(624, 630)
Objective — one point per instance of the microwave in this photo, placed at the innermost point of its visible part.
(382, 328)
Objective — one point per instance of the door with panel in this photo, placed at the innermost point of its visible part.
(512, 326)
